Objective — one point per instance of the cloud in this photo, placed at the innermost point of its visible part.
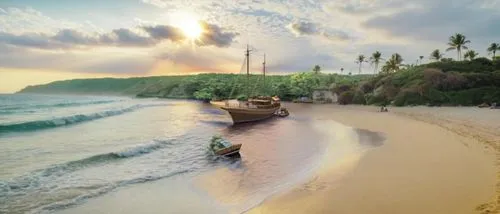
(300, 28)
(436, 21)
(36, 40)
(303, 28)
(164, 32)
(151, 35)
(126, 37)
(71, 36)
(214, 35)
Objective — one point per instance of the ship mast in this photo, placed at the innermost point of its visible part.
(248, 72)
(264, 71)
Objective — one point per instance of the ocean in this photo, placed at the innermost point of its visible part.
(60, 152)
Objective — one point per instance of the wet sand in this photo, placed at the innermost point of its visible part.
(435, 160)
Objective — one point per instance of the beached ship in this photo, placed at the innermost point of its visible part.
(254, 108)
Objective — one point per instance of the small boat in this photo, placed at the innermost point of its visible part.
(220, 146)
(484, 105)
(282, 112)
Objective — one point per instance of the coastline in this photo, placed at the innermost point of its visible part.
(426, 165)
(432, 160)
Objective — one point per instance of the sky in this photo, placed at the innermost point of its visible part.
(47, 40)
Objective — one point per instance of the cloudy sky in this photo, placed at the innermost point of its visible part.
(46, 40)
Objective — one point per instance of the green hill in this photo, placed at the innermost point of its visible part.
(202, 86)
(440, 83)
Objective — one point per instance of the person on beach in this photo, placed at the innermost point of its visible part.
(383, 109)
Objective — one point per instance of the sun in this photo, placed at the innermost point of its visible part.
(189, 24)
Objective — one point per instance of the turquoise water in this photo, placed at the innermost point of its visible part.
(58, 152)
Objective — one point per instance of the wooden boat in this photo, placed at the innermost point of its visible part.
(255, 108)
(232, 150)
(252, 110)
(282, 112)
(220, 146)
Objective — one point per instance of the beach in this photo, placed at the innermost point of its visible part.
(320, 159)
(435, 160)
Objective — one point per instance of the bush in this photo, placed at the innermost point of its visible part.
(408, 97)
(346, 97)
(476, 65)
(435, 97)
(342, 88)
(203, 94)
(359, 98)
(444, 81)
(475, 96)
(367, 87)
(476, 80)
(377, 100)
(242, 97)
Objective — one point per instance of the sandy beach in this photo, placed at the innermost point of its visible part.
(412, 160)
(435, 160)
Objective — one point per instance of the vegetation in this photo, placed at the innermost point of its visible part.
(470, 55)
(442, 82)
(494, 47)
(317, 69)
(361, 58)
(436, 55)
(202, 86)
(458, 42)
(393, 64)
(375, 60)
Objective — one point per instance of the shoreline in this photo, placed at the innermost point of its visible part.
(422, 166)
(429, 169)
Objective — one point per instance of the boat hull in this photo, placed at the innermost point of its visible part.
(243, 115)
(232, 150)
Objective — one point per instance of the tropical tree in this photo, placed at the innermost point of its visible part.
(470, 54)
(494, 47)
(375, 59)
(436, 55)
(341, 70)
(458, 42)
(393, 64)
(361, 58)
(421, 57)
(317, 69)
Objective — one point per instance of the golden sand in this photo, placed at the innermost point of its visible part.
(435, 160)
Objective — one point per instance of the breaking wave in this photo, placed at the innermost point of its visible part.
(69, 120)
(32, 180)
(8, 109)
(43, 180)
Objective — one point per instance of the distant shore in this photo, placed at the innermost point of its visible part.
(435, 160)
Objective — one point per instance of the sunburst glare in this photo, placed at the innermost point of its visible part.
(188, 23)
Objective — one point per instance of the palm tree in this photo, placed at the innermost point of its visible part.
(421, 57)
(393, 64)
(375, 59)
(470, 54)
(494, 47)
(341, 70)
(361, 58)
(317, 69)
(436, 55)
(458, 42)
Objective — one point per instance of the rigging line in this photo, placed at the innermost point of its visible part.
(235, 80)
